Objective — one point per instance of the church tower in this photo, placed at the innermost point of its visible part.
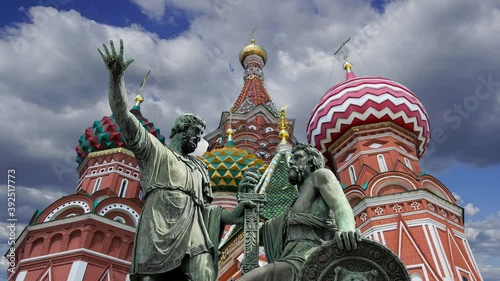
(373, 132)
(89, 235)
(253, 133)
(253, 116)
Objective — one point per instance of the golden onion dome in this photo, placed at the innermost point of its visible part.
(253, 49)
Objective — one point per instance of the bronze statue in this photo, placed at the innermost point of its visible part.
(291, 237)
(178, 232)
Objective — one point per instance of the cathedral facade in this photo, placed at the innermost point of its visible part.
(372, 132)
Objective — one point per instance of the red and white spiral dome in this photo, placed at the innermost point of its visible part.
(366, 100)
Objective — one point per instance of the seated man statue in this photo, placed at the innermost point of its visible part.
(291, 237)
(178, 230)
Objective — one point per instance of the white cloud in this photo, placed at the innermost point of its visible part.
(471, 210)
(159, 9)
(10, 229)
(484, 239)
(154, 9)
(30, 199)
(53, 83)
(458, 198)
(191, 72)
(3, 265)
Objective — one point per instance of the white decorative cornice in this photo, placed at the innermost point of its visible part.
(377, 218)
(380, 228)
(426, 221)
(413, 195)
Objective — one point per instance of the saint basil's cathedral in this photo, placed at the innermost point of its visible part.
(371, 130)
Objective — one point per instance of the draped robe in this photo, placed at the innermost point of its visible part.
(176, 219)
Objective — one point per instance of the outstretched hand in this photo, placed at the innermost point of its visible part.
(347, 240)
(114, 62)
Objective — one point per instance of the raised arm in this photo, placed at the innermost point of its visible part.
(138, 139)
(331, 191)
(116, 65)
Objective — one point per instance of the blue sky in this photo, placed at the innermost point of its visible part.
(53, 84)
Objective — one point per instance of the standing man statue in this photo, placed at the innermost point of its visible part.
(178, 232)
(291, 237)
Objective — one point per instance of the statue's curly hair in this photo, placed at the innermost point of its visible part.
(317, 161)
(184, 121)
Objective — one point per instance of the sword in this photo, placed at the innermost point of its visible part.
(251, 228)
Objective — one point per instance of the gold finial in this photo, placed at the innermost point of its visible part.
(283, 125)
(138, 100)
(347, 65)
(229, 134)
(230, 131)
(253, 49)
(343, 47)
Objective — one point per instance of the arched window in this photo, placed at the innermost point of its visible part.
(269, 129)
(97, 184)
(408, 164)
(352, 174)
(381, 163)
(119, 219)
(252, 127)
(416, 277)
(123, 188)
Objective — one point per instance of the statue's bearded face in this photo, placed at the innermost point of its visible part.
(299, 167)
(190, 138)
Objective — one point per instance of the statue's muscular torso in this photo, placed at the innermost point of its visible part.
(310, 200)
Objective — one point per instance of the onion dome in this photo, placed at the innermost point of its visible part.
(106, 134)
(226, 165)
(253, 49)
(366, 100)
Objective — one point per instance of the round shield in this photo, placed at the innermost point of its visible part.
(371, 261)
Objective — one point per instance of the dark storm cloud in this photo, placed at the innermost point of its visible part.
(53, 83)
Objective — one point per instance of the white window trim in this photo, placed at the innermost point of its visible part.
(97, 184)
(408, 164)
(381, 163)
(123, 188)
(352, 174)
